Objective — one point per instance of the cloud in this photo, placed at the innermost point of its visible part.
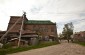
(59, 11)
(80, 26)
(36, 9)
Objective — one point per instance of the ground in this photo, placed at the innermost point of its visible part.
(61, 49)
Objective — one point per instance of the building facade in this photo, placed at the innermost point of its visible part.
(79, 36)
(45, 30)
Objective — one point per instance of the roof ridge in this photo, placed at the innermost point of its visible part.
(38, 20)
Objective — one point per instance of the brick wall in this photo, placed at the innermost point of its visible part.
(45, 29)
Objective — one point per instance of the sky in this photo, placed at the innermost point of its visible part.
(59, 11)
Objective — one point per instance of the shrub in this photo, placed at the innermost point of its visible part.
(3, 52)
(8, 45)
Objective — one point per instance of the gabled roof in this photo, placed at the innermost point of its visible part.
(31, 21)
(39, 22)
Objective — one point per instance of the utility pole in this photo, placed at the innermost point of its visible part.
(21, 29)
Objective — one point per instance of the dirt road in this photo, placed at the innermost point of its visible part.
(60, 49)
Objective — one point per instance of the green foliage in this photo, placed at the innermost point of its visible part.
(2, 51)
(81, 43)
(67, 30)
(8, 45)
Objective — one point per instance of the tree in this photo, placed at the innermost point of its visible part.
(60, 36)
(68, 30)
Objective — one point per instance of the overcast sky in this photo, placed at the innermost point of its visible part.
(59, 11)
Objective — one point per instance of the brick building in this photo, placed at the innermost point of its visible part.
(46, 30)
(79, 36)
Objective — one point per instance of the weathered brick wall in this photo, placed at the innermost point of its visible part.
(79, 37)
(12, 21)
(47, 30)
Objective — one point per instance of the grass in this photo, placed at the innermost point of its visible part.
(2, 51)
(81, 43)
(19, 49)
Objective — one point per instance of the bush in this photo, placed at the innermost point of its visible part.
(8, 45)
(3, 52)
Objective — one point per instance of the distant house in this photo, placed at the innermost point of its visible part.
(79, 36)
(44, 29)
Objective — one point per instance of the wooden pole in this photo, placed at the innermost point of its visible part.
(21, 29)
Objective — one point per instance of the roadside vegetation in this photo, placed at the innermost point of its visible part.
(7, 49)
(80, 43)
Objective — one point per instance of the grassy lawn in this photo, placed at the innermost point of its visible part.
(5, 51)
(81, 43)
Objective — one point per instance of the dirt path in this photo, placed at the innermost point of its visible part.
(60, 49)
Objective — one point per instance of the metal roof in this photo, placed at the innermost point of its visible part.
(39, 22)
